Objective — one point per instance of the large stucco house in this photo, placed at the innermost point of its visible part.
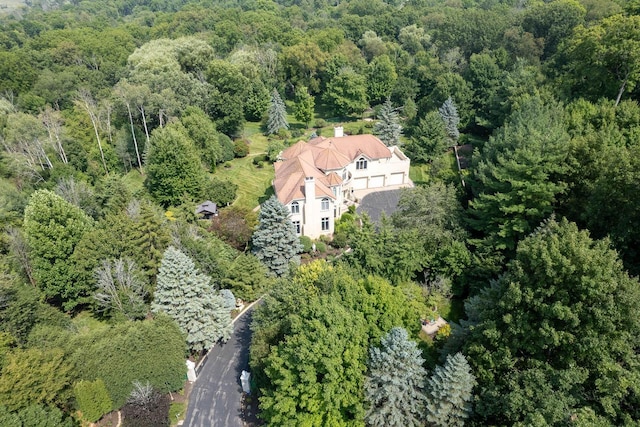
(318, 180)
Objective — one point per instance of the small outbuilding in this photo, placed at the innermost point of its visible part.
(207, 210)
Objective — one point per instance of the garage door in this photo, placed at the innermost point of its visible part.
(376, 181)
(360, 183)
(396, 178)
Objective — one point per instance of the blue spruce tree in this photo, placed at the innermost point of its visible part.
(394, 385)
(449, 392)
(187, 296)
(277, 114)
(449, 113)
(275, 242)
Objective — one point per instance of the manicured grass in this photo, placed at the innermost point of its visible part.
(420, 173)
(254, 183)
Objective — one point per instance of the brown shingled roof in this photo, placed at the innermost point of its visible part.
(320, 154)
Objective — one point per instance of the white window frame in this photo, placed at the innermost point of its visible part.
(324, 224)
(361, 163)
(324, 204)
(295, 208)
(297, 226)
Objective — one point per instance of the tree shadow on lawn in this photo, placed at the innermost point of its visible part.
(268, 193)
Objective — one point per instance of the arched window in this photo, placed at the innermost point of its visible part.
(324, 205)
(361, 163)
(295, 208)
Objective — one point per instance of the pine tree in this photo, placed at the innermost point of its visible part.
(277, 114)
(275, 242)
(449, 392)
(388, 127)
(394, 385)
(188, 298)
(449, 113)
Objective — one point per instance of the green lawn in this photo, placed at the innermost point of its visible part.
(420, 173)
(254, 184)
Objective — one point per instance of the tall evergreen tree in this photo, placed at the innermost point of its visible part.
(394, 385)
(428, 140)
(277, 114)
(275, 242)
(388, 128)
(449, 113)
(187, 297)
(53, 228)
(304, 106)
(519, 174)
(450, 393)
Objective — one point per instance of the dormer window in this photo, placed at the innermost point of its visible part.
(295, 208)
(361, 163)
(324, 205)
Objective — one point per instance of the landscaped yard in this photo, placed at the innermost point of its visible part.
(254, 183)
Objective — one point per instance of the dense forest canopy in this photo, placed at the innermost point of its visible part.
(522, 122)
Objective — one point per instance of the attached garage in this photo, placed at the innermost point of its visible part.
(396, 178)
(359, 183)
(376, 181)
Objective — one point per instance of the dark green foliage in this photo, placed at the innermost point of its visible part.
(35, 416)
(187, 297)
(53, 228)
(347, 93)
(202, 132)
(226, 147)
(150, 350)
(92, 399)
(428, 139)
(311, 337)
(518, 176)
(21, 310)
(556, 332)
(173, 167)
(395, 382)
(210, 255)
(553, 22)
(240, 148)
(247, 278)
(317, 373)
(223, 192)
(381, 76)
(275, 242)
(307, 244)
(450, 393)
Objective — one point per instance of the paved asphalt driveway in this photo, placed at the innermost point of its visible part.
(216, 395)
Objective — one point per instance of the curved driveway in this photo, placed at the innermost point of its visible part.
(215, 399)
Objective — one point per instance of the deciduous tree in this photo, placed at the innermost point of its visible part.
(556, 333)
(53, 228)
